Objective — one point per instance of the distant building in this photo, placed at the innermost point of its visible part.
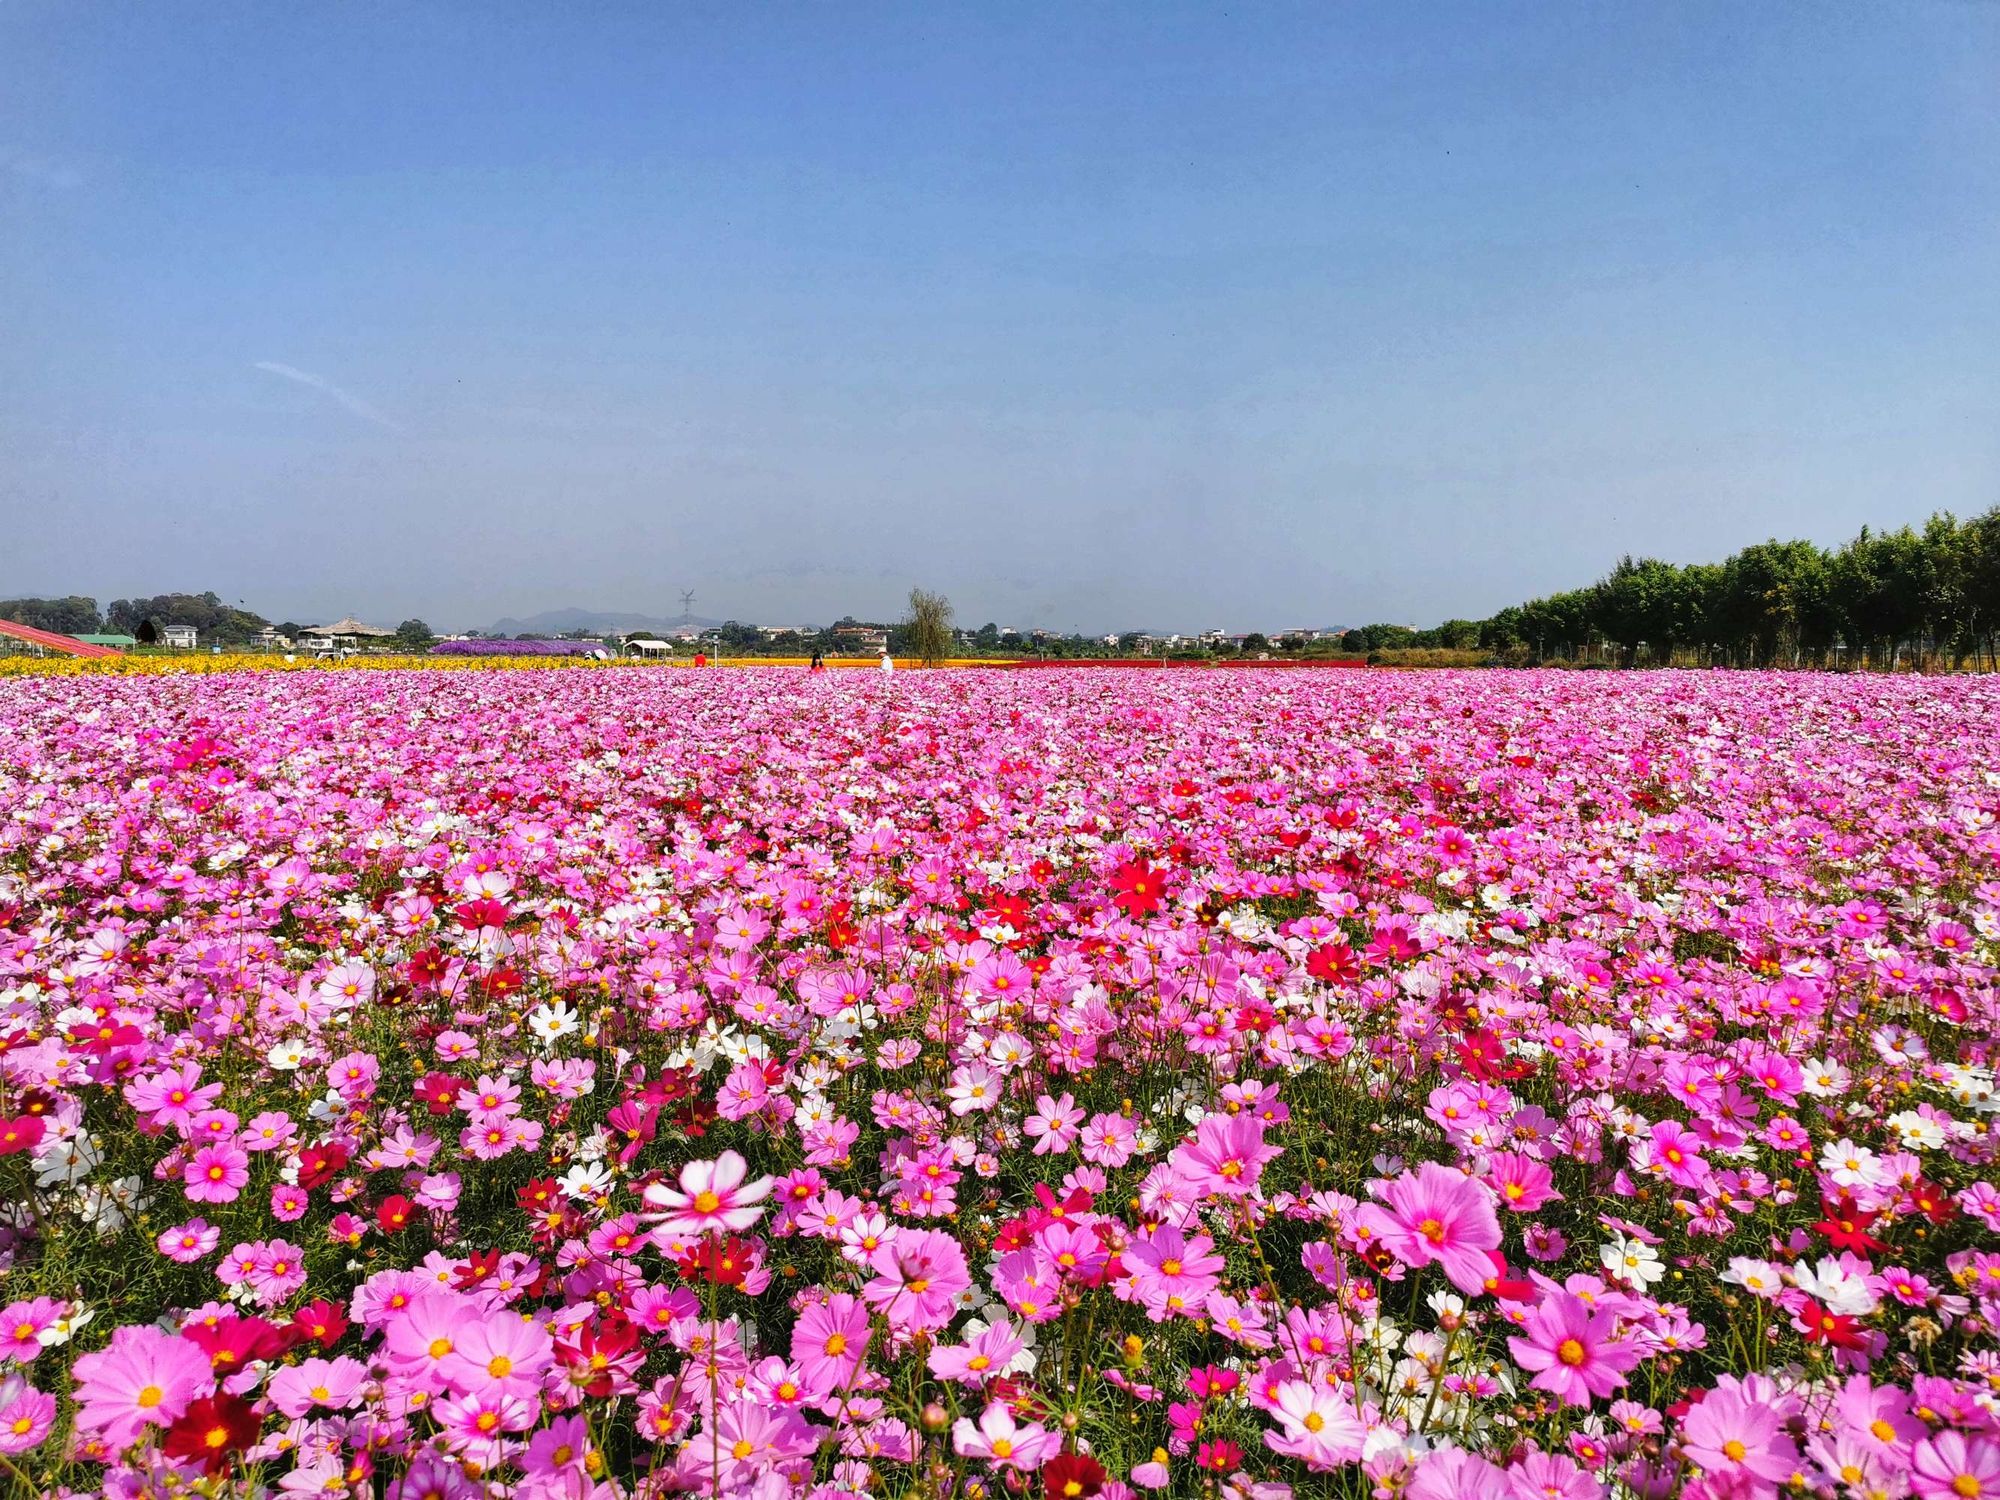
(648, 647)
(119, 642)
(180, 637)
(350, 631)
(864, 637)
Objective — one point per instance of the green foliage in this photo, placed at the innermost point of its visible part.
(928, 629)
(74, 615)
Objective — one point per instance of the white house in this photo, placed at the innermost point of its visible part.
(180, 637)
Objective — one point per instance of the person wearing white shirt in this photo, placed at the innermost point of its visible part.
(888, 662)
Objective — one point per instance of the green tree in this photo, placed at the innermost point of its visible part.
(928, 627)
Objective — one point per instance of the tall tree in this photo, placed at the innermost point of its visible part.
(928, 628)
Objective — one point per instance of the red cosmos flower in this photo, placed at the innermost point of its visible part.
(1219, 1456)
(439, 1091)
(503, 982)
(478, 1266)
(100, 1037)
(318, 1164)
(695, 1117)
(1206, 1382)
(1072, 1476)
(723, 1264)
(232, 1343)
(1013, 910)
(1933, 1202)
(1504, 1286)
(486, 912)
(1041, 872)
(599, 1353)
(1846, 1226)
(394, 1213)
(1823, 1327)
(211, 1429)
(322, 1321)
(1333, 963)
(428, 968)
(21, 1134)
(537, 1195)
(1139, 889)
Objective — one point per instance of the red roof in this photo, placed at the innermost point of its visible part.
(68, 645)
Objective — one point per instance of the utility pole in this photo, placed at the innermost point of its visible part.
(687, 604)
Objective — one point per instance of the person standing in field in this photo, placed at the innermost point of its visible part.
(818, 663)
(888, 662)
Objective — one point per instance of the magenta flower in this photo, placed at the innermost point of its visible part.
(713, 1199)
(1521, 1182)
(216, 1173)
(918, 1276)
(1226, 1157)
(1955, 1466)
(1437, 1215)
(1573, 1350)
(1729, 1434)
(143, 1378)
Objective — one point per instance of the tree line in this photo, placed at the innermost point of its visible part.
(218, 623)
(1917, 596)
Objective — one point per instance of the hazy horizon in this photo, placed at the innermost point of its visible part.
(1102, 318)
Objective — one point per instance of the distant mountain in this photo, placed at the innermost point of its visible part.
(611, 622)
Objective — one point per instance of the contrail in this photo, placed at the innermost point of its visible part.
(354, 404)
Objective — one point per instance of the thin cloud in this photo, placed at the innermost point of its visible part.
(38, 169)
(325, 387)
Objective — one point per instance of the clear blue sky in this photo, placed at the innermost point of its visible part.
(1090, 315)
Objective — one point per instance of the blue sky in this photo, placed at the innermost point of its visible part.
(1090, 316)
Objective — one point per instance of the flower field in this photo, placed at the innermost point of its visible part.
(593, 1083)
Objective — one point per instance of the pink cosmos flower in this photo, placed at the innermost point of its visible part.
(1054, 1124)
(142, 1378)
(1227, 1156)
(1521, 1182)
(828, 1342)
(332, 1383)
(1730, 1435)
(501, 1355)
(746, 1440)
(918, 1276)
(1109, 1140)
(1674, 1152)
(1320, 1426)
(481, 1428)
(1572, 1347)
(1437, 1215)
(1954, 1466)
(1171, 1273)
(216, 1173)
(1013, 1445)
(713, 1199)
(982, 1358)
(21, 1325)
(26, 1416)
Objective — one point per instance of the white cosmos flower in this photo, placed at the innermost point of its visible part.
(1919, 1132)
(1631, 1259)
(585, 1180)
(552, 1022)
(1849, 1165)
(1838, 1290)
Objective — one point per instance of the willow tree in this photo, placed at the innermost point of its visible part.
(929, 627)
